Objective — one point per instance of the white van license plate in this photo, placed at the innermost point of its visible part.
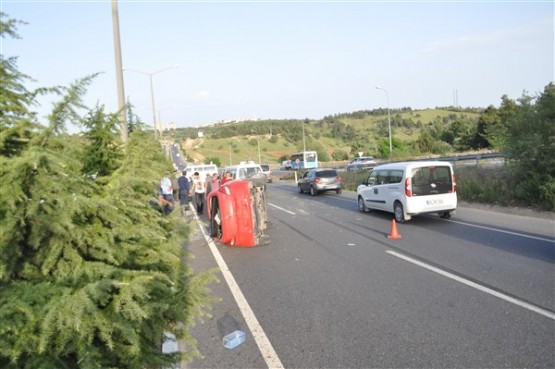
(434, 202)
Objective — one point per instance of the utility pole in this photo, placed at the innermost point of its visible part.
(119, 71)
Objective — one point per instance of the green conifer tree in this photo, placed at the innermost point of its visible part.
(91, 275)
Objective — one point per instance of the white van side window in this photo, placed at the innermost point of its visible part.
(381, 177)
(395, 176)
(371, 181)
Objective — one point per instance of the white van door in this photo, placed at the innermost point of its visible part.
(373, 192)
(392, 188)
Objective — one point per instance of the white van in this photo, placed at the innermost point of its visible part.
(410, 188)
(248, 170)
(202, 169)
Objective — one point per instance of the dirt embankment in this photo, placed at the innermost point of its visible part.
(189, 145)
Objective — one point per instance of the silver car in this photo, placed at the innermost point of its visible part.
(267, 171)
(361, 163)
(320, 180)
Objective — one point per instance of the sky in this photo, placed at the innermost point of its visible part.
(213, 61)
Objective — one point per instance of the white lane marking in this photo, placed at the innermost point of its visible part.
(503, 231)
(282, 209)
(500, 295)
(264, 345)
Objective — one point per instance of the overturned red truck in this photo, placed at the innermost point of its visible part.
(237, 213)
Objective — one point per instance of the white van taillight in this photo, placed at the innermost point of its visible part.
(408, 188)
(454, 181)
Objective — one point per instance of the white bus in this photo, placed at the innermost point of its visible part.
(304, 160)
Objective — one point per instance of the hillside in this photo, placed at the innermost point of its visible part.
(337, 137)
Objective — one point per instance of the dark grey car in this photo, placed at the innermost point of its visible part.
(320, 180)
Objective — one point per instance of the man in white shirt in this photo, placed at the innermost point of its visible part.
(166, 194)
(166, 184)
(199, 189)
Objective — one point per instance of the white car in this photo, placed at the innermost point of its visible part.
(410, 188)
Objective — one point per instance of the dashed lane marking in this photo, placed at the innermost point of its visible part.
(282, 209)
(475, 285)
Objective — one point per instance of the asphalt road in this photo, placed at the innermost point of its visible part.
(332, 291)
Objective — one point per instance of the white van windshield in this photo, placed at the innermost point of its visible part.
(248, 172)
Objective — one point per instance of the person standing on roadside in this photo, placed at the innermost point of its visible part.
(166, 185)
(208, 182)
(184, 188)
(199, 190)
(227, 177)
(214, 182)
(175, 187)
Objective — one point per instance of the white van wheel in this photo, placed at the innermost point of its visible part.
(445, 215)
(362, 206)
(399, 212)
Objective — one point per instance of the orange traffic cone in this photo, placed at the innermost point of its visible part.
(394, 235)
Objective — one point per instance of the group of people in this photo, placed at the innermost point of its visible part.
(185, 190)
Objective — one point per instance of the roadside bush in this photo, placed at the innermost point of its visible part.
(214, 160)
(339, 155)
(485, 185)
(351, 180)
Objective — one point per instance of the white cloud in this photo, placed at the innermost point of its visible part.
(508, 39)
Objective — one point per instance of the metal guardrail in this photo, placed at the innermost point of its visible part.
(466, 159)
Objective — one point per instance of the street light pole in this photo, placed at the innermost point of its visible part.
(388, 117)
(150, 74)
